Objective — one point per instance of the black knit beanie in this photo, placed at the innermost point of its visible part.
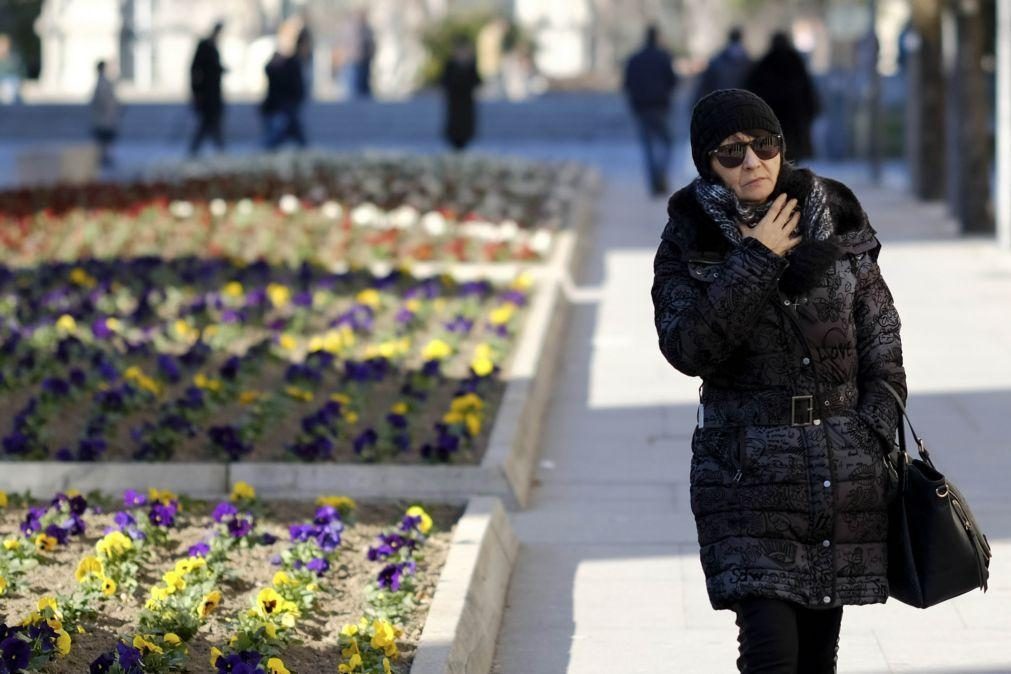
(723, 113)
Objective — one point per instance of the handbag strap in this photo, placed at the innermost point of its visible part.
(921, 448)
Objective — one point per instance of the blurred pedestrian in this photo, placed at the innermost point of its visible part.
(728, 68)
(205, 83)
(781, 79)
(105, 114)
(459, 81)
(649, 84)
(286, 92)
(365, 51)
(766, 285)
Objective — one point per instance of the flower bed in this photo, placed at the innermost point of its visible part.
(332, 210)
(198, 360)
(175, 583)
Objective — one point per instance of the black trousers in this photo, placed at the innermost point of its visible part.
(209, 126)
(781, 637)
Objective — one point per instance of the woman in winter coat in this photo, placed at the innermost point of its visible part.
(766, 285)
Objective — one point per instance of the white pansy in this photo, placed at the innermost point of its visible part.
(367, 215)
(434, 223)
(509, 229)
(480, 229)
(218, 207)
(541, 242)
(332, 210)
(181, 209)
(404, 217)
(289, 204)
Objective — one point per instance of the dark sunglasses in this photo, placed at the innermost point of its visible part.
(731, 155)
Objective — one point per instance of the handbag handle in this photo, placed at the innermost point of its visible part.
(921, 447)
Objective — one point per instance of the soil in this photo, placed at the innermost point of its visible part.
(341, 601)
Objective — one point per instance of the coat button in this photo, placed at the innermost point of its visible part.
(806, 361)
(826, 599)
(825, 543)
(827, 483)
(786, 302)
(816, 422)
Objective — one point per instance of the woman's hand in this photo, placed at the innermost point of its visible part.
(777, 231)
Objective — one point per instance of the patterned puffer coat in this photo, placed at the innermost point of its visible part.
(789, 486)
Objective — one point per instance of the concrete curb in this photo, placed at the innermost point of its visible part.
(506, 470)
(463, 622)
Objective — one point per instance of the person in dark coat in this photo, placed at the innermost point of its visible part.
(459, 81)
(205, 83)
(727, 69)
(767, 286)
(282, 107)
(781, 79)
(649, 84)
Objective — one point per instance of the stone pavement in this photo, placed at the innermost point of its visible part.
(608, 578)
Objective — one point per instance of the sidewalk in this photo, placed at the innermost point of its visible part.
(608, 578)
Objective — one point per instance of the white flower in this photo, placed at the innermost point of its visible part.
(181, 209)
(541, 242)
(218, 207)
(289, 204)
(434, 223)
(332, 210)
(509, 229)
(404, 217)
(367, 215)
(480, 229)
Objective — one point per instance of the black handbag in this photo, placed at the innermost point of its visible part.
(936, 549)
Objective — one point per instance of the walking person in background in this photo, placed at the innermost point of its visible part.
(767, 286)
(649, 84)
(727, 69)
(105, 114)
(205, 83)
(282, 107)
(781, 79)
(459, 81)
(365, 52)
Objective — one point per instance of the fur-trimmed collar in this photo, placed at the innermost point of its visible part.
(696, 235)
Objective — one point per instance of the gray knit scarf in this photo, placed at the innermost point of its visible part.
(809, 260)
(722, 205)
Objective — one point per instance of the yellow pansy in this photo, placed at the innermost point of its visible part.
(341, 398)
(108, 586)
(342, 503)
(369, 297)
(55, 623)
(281, 579)
(275, 666)
(524, 281)
(82, 278)
(351, 417)
(202, 381)
(233, 289)
(349, 630)
(299, 394)
(209, 603)
(189, 565)
(113, 544)
(384, 637)
(142, 644)
(279, 294)
(174, 581)
(114, 324)
(386, 666)
(3, 586)
(66, 323)
(48, 602)
(437, 350)
(3, 499)
(400, 408)
(502, 314)
(288, 342)
(12, 544)
(215, 654)
(45, 543)
(270, 629)
(63, 642)
(249, 397)
(482, 363)
(89, 566)
(426, 520)
(352, 665)
(243, 491)
(159, 593)
(163, 496)
(172, 639)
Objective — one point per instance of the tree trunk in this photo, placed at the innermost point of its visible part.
(969, 165)
(925, 145)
